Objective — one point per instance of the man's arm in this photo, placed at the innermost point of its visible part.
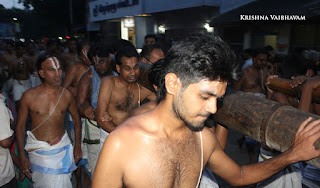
(237, 85)
(306, 95)
(301, 150)
(150, 95)
(6, 143)
(84, 107)
(70, 74)
(103, 117)
(77, 127)
(20, 131)
(221, 133)
(109, 170)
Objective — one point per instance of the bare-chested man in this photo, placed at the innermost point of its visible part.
(253, 81)
(51, 154)
(31, 58)
(7, 56)
(120, 95)
(255, 76)
(71, 82)
(20, 69)
(149, 55)
(71, 56)
(87, 101)
(75, 71)
(169, 146)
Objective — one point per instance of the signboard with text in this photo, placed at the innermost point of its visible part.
(111, 9)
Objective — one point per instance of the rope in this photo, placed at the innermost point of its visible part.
(139, 95)
(50, 112)
(201, 160)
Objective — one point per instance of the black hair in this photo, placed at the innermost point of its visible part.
(155, 72)
(147, 50)
(118, 44)
(150, 36)
(51, 42)
(259, 51)
(42, 58)
(19, 44)
(99, 50)
(199, 57)
(126, 51)
(81, 45)
(268, 48)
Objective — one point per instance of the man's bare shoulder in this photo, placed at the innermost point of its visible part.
(210, 142)
(32, 92)
(146, 124)
(87, 74)
(145, 108)
(67, 93)
(130, 131)
(109, 80)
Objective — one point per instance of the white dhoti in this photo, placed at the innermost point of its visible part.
(84, 159)
(19, 87)
(289, 177)
(208, 180)
(51, 165)
(92, 142)
(103, 136)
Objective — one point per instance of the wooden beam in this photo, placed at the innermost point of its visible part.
(266, 121)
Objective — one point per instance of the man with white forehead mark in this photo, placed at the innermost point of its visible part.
(51, 154)
(55, 63)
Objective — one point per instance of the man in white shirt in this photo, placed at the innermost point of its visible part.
(7, 173)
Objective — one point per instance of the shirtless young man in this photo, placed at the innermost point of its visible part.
(6, 57)
(87, 100)
(48, 145)
(75, 71)
(71, 56)
(120, 95)
(71, 82)
(31, 58)
(20, 69)
(169, 146)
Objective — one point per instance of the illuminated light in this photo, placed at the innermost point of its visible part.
(22, 40)
(60, 38)
(208, 28)
(128, 22)
(15, 19)
(162, 29)
(67, 37)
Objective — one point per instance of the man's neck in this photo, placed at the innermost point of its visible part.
(170, 123)
(105, 75)
(128, 84)
(50, 88)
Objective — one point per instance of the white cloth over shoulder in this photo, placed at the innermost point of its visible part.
(19, 87)
(51, 165)
(103, 136)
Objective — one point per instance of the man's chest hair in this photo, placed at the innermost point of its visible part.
(178, 160)
(126, 100)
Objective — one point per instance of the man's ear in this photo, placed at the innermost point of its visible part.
(171, 82)
(41, 73)
(118, 68)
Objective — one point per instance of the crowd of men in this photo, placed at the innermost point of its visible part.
(66, 106)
